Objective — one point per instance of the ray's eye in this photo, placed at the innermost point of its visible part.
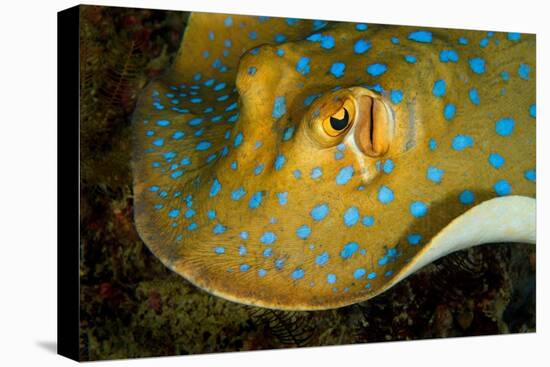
(340, 121)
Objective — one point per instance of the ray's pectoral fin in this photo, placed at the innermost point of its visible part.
(504, 219)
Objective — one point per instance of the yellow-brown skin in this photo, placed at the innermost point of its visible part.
(401, 133)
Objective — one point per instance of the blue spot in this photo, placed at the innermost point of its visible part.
(331, 278)
(385, 195)
(262, 273)
(238, 194)
(297, 174)
(530, 175)
(234, 165)
(322, 259)
(318, 24)
(361, 46)
(388, 166)
(461, 142)
(252, 70)
(449, 111)
(176, 174)
(359, 273)
(432, 144)
(505, 126)
(238, 140)
(377, 69)
(283, 198)
(154, 188)
(337, 69)
(396, 96)
(268, 238)
(345, 174)
(219, 86)
(316, 173)
(196, 100)
(466, 197)
(258, 169)
(361, 26)
(279, 162)
(174, 213)
(288, 133)
(418, 209)
(368, 221)
(474, 97)
(435, 174)
(463, 41)
(244, 267)
(502, 187)
(302, 66)
(211, 214)
(291, 21)
(484, 42)
(297, 274)
(411, 59)
(279, 38)
(319, 212)
(395, 40)
(256, 200)
(219, 250)
(231, 107)
(505, 75)
(371, 276)
(421, 36)
(150, 133)
(414, 239)
(219, 229)
(253, 35)
(327, 42)
(163, 122)
(243, 235)
(215, 188)
(279, 107)
(268, 252)
(477, 64)
(303, 232)
(439, 88)
(280, 52)
(351, 216)
(178, 135)
(349, 250)
(242, 250)
(448, 56)
(158, 142)
(512, 36)
(533, 111)
(203, 145)
(279, 263)
(523, 71)
(496, 160)
(228, 22)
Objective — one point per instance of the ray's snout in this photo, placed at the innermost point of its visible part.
(373, 127)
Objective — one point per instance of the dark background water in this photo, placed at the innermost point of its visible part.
(133, 306)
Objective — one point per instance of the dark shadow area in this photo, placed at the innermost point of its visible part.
(49, 346)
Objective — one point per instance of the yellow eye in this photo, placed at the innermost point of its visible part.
(341, 120)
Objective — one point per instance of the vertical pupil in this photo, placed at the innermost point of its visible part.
(340, 124)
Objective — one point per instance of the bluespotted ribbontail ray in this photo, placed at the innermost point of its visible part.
(299, 164)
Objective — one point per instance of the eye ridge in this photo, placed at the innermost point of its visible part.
(340, 124)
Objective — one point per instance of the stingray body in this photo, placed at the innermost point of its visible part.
(300, 164)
